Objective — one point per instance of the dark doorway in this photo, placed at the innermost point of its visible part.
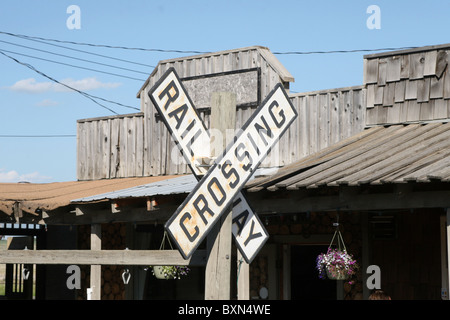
(305, 283)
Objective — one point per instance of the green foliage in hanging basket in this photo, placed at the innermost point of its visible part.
(336, 264)
(170, 272)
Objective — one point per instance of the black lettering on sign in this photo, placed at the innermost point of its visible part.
(240, 221)
(218, 187)
(191, 142)
(179, 118)
(171, 87)
(242, 156)
(229, 173)
(252, 235)
(278, 123)
(201, 211)
(249, 136)
(266, 130)
(191, 237)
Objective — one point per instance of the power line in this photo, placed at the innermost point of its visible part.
(71, 65)
(87, 95)
(102, 45)
(70, 57)
(200, 52)
(38, 136)
(87, 52)
(340, 51)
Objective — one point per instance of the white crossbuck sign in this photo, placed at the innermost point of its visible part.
(220, 186)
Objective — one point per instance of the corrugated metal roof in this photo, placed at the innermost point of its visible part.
(170, 185)
(379, 155)
(51, 196)
(182, 184)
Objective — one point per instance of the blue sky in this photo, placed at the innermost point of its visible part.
(32, 105)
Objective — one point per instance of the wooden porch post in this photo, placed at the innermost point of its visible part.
(243, 277)
(96, 244)
(218, 265)
(445, 258)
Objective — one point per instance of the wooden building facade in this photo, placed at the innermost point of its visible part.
(374, 157)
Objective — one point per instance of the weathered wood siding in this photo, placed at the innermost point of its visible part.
(161, 158)
(324, 118)
(110, 147)
(407, 86)
(140, 144)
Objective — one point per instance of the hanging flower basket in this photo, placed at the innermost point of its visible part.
(169, 272)
(336, 264)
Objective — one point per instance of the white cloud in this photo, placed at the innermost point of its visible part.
(47, 103)
(13, 177)
(30, 85)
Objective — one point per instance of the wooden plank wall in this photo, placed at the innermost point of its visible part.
(324, 118)
(409, 86)
(140, 144)
(110, 147)
(157, 159)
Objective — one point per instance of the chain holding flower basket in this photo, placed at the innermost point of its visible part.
(169, 272)
(336, 264)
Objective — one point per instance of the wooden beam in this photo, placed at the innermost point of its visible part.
(96, 269)
(243, 277)
(96, 213)
(102, 257)
(289, 203)
(218, 267)
(448, 250)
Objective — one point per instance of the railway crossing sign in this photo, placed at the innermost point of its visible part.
(220, 186)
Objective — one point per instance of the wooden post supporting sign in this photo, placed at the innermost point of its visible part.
(218, 266)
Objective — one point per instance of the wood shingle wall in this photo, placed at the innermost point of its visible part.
(407, 86)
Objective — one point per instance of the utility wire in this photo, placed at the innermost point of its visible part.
(101, 45)
(201, 52)
(87, 95)
(38, 136)
(70, 57)
(91, 53)
(71, 65)
(341, 51)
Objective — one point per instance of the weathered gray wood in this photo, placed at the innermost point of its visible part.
(379, 92)
(218, 266)
(370, 96)
(430, 63)
(441, 63)
(423, 90)
(243, 278)
(382, 72)
(440, 109)
(378, 201)
(404, 67)
(103, 257)
(393, 69)
(447, 85)
(436, 88)
(413, 110)
(96, 278)
(371, 71)
(400, 88)
(416, 65)
(389, 95)
(411, 90)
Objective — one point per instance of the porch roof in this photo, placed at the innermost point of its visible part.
(51, 196)
(378, 155)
